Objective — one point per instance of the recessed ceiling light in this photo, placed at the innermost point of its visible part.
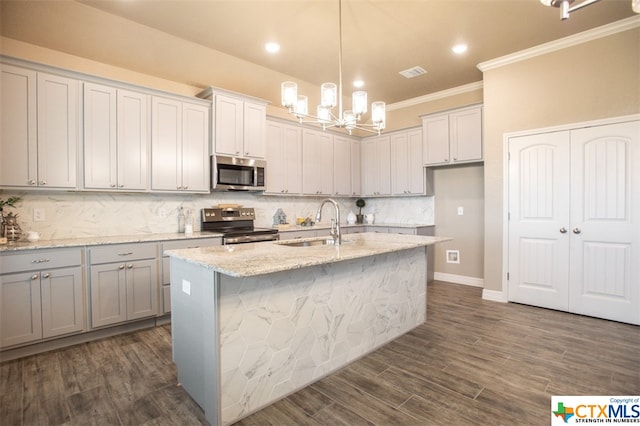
(358, 83)
(459, 48)
(272, 47)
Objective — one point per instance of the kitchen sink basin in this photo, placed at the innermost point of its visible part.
(310, 243)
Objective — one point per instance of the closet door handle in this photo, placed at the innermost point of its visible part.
(563, 230)
(576, 230)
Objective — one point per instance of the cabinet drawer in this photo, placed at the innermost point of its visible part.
(40, 259)
(121, 253)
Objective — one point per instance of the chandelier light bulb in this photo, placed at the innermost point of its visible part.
(328, 95)
(359, 102)
(349, 119)
(324, 114)
(289, 93)
(378, 114)
(302, 105)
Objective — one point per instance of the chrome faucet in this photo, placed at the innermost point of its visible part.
(335, 223)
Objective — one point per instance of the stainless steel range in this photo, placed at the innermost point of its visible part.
(236, 225)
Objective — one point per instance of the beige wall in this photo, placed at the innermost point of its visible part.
(593, 80)
(460, 186)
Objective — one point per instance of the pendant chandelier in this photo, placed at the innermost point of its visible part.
(330, 96)
(567, 6)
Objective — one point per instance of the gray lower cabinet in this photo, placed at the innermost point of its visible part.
(166, 268)
(41, 295)
(123, 283)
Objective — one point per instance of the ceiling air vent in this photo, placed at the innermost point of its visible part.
(413, 72)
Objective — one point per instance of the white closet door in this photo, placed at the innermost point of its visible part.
(605, 222)
(539, 220)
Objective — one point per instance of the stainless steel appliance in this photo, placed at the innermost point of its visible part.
(237, 174)
(236, 225)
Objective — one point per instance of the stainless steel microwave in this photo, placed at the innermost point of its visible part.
(237, 174)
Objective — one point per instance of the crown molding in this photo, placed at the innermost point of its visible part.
(437, 95)
(563, 43)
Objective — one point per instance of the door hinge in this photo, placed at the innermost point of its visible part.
(508, 155)
(508, 215)
(507, 276)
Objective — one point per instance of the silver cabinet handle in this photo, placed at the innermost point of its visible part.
(121, 267)
(34, 276)
(41, 261)
(47, 275)
(576, 230)
(125, 254)
(130, 266)
(563, 230)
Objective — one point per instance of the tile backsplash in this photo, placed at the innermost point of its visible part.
(82, 214)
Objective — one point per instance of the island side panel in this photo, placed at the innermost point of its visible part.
(282, 331)
(195, 337)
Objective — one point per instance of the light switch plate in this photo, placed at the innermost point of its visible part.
(186, 287)
(460, 211)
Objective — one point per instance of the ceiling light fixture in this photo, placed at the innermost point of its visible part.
(330, 96)
(566, 6)
(459, 49)
(272, 47)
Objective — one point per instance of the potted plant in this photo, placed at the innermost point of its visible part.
(360, 204)
(9, 202)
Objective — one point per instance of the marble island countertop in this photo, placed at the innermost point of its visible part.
(102, 240)
(327, 225)
(247, 260)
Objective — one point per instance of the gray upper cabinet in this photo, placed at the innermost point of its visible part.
(41, 295)
(40, 118)
(284, 158)
(376, 166)
(453, 137)
(180, 146)
(239, 123)
(317, 162)
(407, 170)
(116, 138)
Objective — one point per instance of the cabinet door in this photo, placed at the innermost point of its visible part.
(108, 294)
(369, 172)
(356, 167)
(142, 289)
(292, 159)
(18, 132)
(466, 135)
(21, 313)
(229, 125)
(399, 166)
(134, 143)
(415, 166)
(166, 147)
(275, 181)
(195, 148)
(311, 163)
(62, 302)
(435, 132)
(383, 155)
(255, 121)
(57, 131)
(100, 138)
(341, 166)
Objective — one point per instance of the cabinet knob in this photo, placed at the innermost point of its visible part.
(121, 186)
(47, 275)
(113, 185)
(246, 153)
(178, 188)
(563, 230)
(121, 266)
(43, 182)
(455, 158)
(32, 182)
(185, 187)
(130, 265)
(576, 230)
(34, 276)
(446, 159)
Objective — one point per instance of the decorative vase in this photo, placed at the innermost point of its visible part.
(12, 230)
(360, 219)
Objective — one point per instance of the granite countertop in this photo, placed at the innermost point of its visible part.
(101, 240)
(327, 225)
(246, 260)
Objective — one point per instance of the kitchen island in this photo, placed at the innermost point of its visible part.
(253, 323)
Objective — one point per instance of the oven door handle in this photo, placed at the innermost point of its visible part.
(250, 238)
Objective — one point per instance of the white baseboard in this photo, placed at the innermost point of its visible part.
(458, 279)
(494, 295)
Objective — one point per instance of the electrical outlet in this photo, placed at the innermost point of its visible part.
(460, 211)
(38, 215)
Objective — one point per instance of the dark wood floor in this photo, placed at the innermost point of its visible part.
(474, 362)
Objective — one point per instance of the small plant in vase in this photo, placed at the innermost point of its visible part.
(360, 204)
(8, 222)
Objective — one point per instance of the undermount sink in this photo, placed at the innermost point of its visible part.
(311, 243)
